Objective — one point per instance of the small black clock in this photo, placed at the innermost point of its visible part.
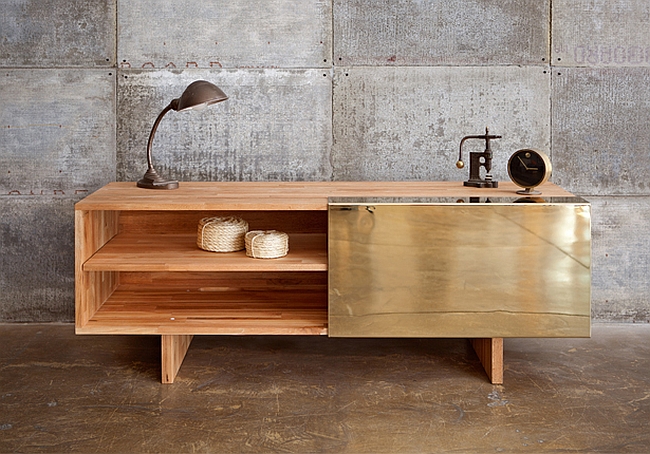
(529, 168)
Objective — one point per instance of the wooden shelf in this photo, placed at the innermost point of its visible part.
(133, 309)
(179, 252)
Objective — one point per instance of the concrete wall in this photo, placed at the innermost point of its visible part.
(319, 90)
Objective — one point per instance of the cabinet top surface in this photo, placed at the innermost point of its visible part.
(283, 195)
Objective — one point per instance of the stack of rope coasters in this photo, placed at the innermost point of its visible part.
(222, 234)
(266, 244)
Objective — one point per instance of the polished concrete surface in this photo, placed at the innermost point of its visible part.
(65, 393)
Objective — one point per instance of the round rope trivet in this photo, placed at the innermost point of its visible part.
(266, 244)
(222, 234)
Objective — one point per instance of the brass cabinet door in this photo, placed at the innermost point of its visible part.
(460, 270)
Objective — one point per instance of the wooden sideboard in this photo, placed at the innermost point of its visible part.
(138, 269)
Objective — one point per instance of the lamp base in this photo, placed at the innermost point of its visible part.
(151, 180)
(528, 191)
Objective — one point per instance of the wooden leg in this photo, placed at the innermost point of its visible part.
(173, 348)
(490, 352)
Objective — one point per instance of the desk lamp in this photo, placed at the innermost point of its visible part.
(197, 95)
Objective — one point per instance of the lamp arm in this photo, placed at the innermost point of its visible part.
(154, 128)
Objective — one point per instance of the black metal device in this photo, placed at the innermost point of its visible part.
(478, 160)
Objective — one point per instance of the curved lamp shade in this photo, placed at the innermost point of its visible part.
(197, 95)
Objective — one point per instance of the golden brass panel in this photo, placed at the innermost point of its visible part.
(460, 270)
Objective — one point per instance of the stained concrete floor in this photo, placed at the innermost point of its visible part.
(65, 393)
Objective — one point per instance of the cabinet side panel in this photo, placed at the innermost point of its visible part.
(93, 229)
(521, 270)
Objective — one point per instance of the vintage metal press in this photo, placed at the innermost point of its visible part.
(478, 160)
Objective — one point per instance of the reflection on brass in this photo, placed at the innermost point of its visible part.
(460, 270)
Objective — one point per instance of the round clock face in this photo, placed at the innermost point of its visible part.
(529, 168)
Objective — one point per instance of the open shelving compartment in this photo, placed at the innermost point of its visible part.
(141, 272)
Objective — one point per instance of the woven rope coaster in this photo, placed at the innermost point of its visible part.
(266, 244)
(222, 234)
